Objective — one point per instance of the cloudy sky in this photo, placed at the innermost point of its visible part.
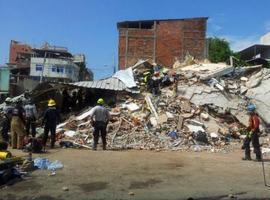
(89, 26)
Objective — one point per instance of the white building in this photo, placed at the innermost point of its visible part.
(54, 68)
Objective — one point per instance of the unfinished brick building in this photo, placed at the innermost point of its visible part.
(161, 41)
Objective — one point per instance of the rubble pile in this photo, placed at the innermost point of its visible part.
(207, 112)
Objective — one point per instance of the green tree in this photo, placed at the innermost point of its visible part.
(219, 50)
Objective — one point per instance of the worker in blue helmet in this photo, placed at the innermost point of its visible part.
(100, 117)
(253, 132)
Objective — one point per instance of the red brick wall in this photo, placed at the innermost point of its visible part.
(174, 39)
(17, 52)
(140, 45)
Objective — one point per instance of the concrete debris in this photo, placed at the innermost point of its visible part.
(132, 107)
(244, 79)
(204, 116)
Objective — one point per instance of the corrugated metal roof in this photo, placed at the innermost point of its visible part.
(106, 84)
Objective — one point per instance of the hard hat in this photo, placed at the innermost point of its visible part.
(100, 101)
(51, 102)
(8, 99)
(251, 107)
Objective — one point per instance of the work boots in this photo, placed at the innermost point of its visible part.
(247, 157)
(94, 147)
(259, 158)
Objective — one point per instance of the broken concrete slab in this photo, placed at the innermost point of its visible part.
(253, 82)
(132, 107)
(194, 128)
(207, 71)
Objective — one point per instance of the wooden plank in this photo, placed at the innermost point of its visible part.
(180, 123)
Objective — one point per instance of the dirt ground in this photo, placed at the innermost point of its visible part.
(145, 174)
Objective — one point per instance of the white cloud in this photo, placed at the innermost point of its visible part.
(216, 27)
(238, 43)
(267, 25)
(213, 25)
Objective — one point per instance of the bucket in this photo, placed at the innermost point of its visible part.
(5, 155)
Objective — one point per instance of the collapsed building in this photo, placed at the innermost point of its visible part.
(206, 112)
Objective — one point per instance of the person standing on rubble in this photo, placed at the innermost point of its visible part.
(66, 101)
(100, 117)
(155, 83)
(80, 99)
(8, 106)
(5, 126)
(252, 135)
(51, 118)
(31, 117)
(6, 123)
(17, 126)
(74, 100)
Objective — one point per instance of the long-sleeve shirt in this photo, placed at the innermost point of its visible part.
(19, 111)
(100, 114)
(8, 109)
(30, 111)
(51, 117)
(254, 123)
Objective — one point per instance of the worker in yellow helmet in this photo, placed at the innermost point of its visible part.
(100, 117)
(51, 118)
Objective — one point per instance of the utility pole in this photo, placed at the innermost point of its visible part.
(44, 62)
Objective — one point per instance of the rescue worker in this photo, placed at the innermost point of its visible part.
(155, 83)
(253, 134)
(26, 97)
(17, 126)
(65, 101)
(100, 117)
(5, 126)
(31, 117)
(80, 99)
(8, 106)
(166, 81)
(51, 118)
(74, 100)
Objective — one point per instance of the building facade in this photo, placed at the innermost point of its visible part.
(161, 41)
(56, 63)
(53, 69)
